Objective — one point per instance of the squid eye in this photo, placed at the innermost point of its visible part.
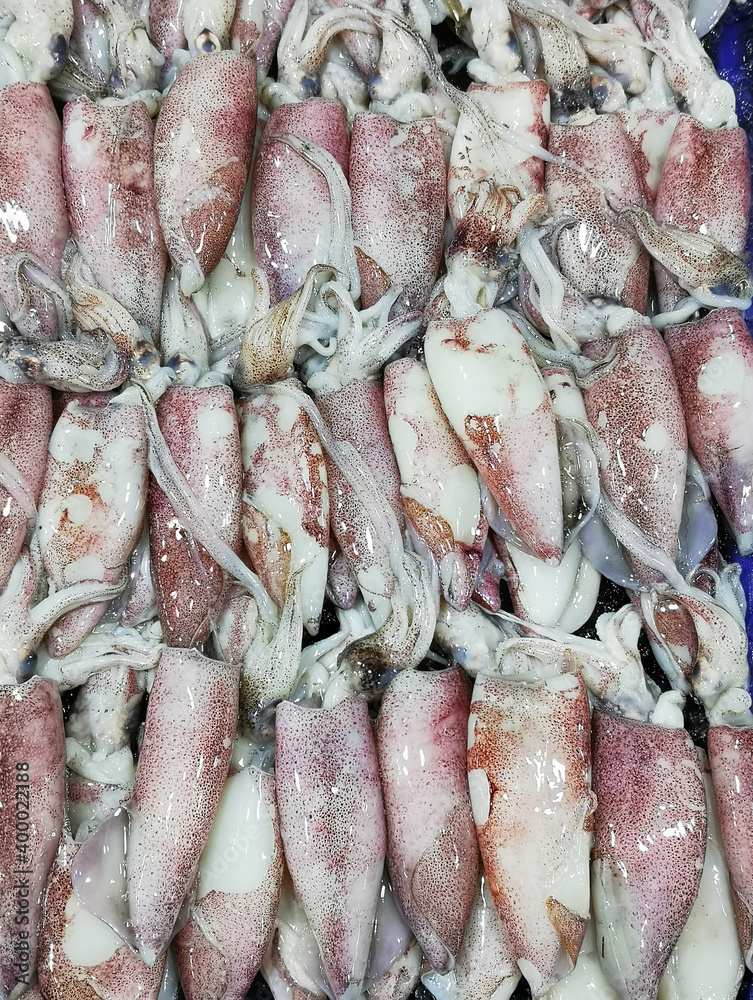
(115, 83)
(310, 86)
(208, 42)
(263, 721)
(726, 289)
(187, 372)
(145, 355)
(59, 51)
(28, 666)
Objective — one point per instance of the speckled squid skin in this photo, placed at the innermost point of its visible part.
(599, 257)
(496, 402)
(329, 800)
(356, 414)
(93, 503)
(439, 483)
(291, 216)
(432, 853)
(32, 791)
(704, 188)
(91, 802)
(221, 948)
(485, 963)
(108, 169)
(650, 842)
(637, 414)
(23, 442)
(166, 26)
(33, 218)
(116, 972)
(705, 182)
(731, 759)
(183, 764)
(649, 133)
(402, 977)
(200, 427)
(285, 516)
(482, 174)
(713, 362)
(529, 772)
(202, 152)
(397, 185)
(247, 35)
(88, 44)
(707, 960)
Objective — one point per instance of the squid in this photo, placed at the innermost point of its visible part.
(397, 183)
(332, 826)
(292, 966)
(707, 959)
(25, 619)
(134, 63)
(38, 38)
(200, 427)
(649, 848)
(440, 490)
(98, 730)
(712, 167)
(153, 846)
(307, 39)
(485, 965)
(93, 503)
(687, 68)
(165, 27)
(495, 183)
(712, 358)
(495, 400)
(285, 500)
(563, 595)
(202, 151)
(432, 855)
(205, 26)
(79, 954)
(700, 643)
(597, 255)
(34, 219)
(23, 445)
(77, 951)
(396, 958)
(364, 482)
(293, 205)
(730, 749)
(232, 919)
(564, 62)
(529, 773)
(258, 31)
(356, 413)
(642, 438)
(88, 64)
(108, 170)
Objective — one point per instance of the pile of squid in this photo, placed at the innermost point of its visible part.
(332, 394)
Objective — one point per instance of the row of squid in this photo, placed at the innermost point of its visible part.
(295, 370)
